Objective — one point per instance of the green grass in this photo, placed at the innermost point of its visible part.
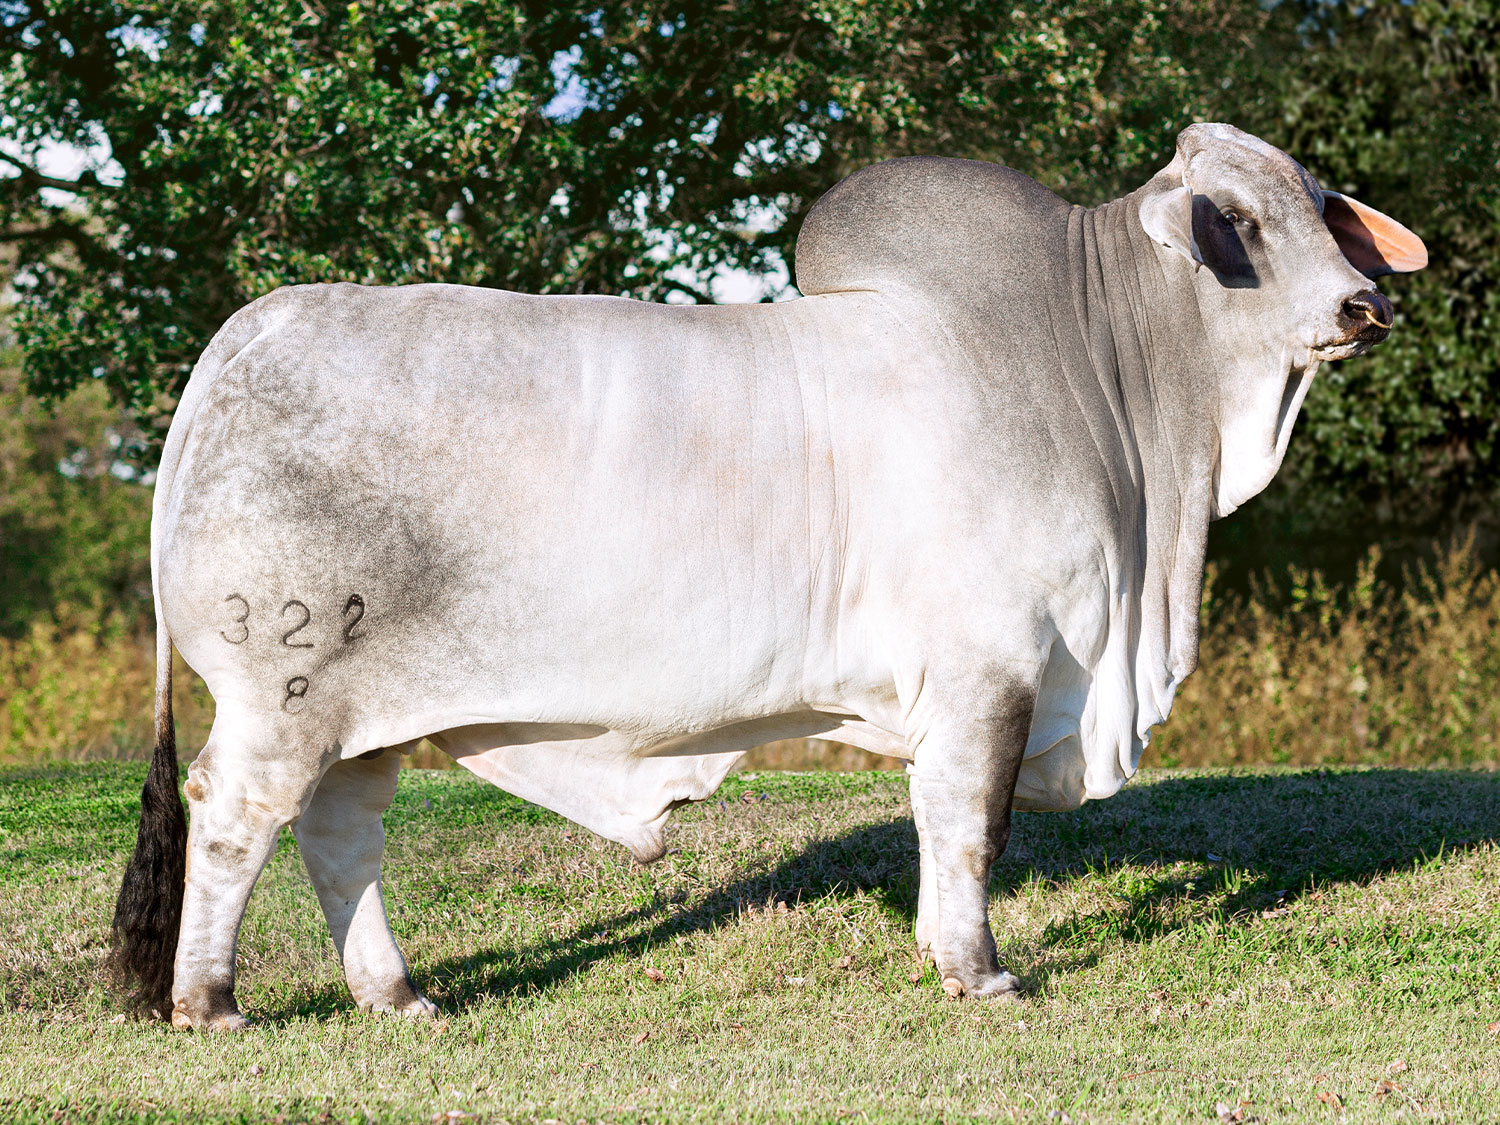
(1202, 938)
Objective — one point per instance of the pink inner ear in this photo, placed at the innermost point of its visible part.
(1375, 244)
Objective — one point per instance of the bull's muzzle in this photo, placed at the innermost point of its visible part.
(1367, 316)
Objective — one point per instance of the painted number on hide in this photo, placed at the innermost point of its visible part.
(244, 630)
(286, 638)
(296, 695)
(356, 606)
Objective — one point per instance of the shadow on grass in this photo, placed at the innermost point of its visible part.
(1249, 842)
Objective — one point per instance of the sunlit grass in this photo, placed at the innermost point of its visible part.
(1202, 938)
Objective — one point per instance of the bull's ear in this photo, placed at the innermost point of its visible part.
(1375, 244)
(1167, 218)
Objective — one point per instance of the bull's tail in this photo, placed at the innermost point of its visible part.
(149, 909)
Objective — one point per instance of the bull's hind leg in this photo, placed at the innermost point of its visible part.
(342, 841)
(237, 806)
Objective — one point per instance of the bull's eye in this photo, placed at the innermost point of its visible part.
(1232, 217)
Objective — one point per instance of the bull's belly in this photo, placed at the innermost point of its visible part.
(623, 784)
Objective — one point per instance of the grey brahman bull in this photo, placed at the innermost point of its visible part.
(950, 506)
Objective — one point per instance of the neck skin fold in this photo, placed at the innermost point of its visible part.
(1162, 382)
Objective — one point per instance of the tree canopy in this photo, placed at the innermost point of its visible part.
(1400, 106)
(74, 537)
(613, 147)
(634, 147)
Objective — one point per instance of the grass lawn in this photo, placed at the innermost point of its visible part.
(1290, 945)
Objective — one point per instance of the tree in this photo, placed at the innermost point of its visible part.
(74, 535)
(1398, 104)
(618, 146)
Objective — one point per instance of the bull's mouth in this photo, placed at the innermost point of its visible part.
(1344, 349)
(1366, 320)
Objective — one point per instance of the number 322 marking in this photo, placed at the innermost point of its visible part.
(355, 605)
(296, 688)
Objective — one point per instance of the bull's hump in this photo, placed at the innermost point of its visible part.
(926, 222)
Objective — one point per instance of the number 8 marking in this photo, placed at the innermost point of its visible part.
(296, 695)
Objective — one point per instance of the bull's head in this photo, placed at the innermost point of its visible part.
(1281, 270)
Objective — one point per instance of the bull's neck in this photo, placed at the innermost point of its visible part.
(1148, 346)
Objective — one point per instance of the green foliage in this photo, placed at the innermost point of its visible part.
(74, 536)
(82, 688)
(75, 585)
(1307, 671)
(1398, 104)
(609, 147)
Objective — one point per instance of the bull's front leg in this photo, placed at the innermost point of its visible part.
(963, 780)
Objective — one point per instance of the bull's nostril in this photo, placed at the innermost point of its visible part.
(1370, 308)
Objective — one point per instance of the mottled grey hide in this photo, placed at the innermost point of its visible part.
(949, 506)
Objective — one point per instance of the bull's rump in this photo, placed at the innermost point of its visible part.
(457, 505)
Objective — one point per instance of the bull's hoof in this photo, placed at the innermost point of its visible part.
(995, 986)
(419, 1009)
(416, 1007)
(215, 1019)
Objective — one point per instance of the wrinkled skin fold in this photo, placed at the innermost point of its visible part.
(950, 506)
